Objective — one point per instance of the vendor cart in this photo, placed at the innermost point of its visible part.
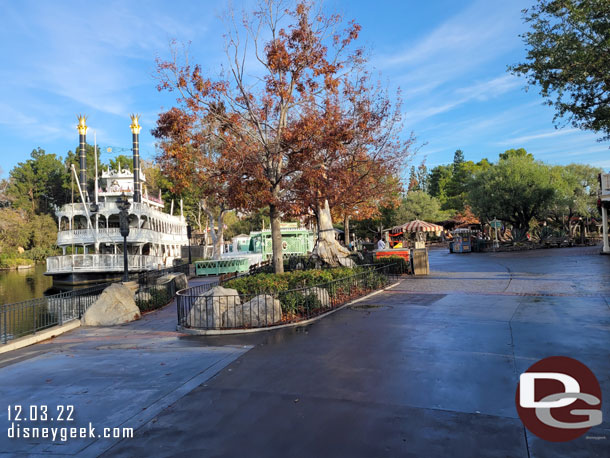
(409, 242)
(462, 241)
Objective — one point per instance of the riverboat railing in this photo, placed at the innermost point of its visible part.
(101, 262)
(28, 317)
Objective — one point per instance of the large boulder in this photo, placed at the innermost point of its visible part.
(179, 279)
(263, 310)
(321, 294)
(208, 309)
(115, 305)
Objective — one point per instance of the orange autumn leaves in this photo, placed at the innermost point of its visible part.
(319, 128)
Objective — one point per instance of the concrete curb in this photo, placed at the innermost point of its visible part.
(224, 332)
(39, 337)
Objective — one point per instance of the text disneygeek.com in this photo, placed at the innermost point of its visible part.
(21, 418)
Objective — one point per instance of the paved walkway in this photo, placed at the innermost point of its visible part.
(428, 368)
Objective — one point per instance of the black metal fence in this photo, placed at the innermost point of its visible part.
(28, 317)
(199, 308)
(152, 297)
(149, 277)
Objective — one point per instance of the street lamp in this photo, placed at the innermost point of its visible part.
(124, 205)
(189, 230)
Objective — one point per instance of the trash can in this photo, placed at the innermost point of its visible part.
(421, 265)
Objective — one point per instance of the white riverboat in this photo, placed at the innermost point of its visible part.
(89, 232)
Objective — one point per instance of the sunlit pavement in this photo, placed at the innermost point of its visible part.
(427, 368)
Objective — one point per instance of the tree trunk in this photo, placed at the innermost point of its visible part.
(216, 235)
(276, 240)
(327, 248)
(346, 231)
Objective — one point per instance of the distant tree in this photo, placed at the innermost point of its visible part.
(413, 181)
(466, 217)
(13, 230)
(521, 152)
(458, 160)
(126, 162)
(36, 184)
(74, 158)
(422, 176)
(438, 180)
(245, 224)
(458, 184)
(42, 231)
(419, 205)
(516, 190)
(576, 194)
(569, 58)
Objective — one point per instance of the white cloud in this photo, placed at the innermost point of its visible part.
(480, 33)
(481, 92)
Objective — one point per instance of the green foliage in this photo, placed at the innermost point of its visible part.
(438, 181)
(418, 205)
(372, 227)
(516, 189)
(73, 158)
(289, 287)
(152, 298)
(294, 302)
(567, 56)
(254, 284)
(37, 184)
(36, 234)
(450, 183)
(244, 224)
(126, 162)
(13, 233)
(8, 261)
(521, 152)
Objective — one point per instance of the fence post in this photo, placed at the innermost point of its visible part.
(4, 319)
(34, 313)
(61, 312)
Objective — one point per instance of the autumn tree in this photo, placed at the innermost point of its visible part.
(354, 157)
(302, 59)
(192, 155)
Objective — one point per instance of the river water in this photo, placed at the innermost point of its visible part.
(21, 285)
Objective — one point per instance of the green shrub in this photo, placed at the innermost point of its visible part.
(287, 286)
(294, 302)
(158, 298)
(259, 283)
(8, 261)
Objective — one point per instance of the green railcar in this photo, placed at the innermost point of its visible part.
(295, 241)
(221, 266)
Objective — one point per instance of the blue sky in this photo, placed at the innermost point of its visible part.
(449, 58)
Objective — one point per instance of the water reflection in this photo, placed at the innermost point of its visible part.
(21, 285)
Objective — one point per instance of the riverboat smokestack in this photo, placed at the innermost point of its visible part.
(82, 135)
(135, 131)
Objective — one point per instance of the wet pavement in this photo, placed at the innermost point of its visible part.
(426, 368)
